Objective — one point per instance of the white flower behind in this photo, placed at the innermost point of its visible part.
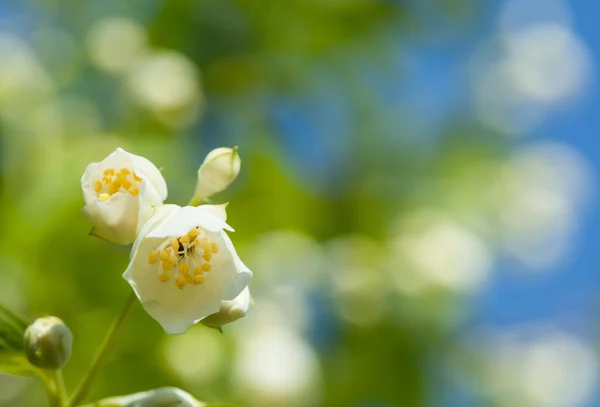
(183, 266)
(120, 194)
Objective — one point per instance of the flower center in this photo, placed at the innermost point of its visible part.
(112, 182)
(185, 259)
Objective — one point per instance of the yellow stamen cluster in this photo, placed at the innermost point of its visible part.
(185, 259)
(113, 181)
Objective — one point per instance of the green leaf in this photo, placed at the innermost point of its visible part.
(12, 349)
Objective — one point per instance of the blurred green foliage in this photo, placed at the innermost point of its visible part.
(62, 110)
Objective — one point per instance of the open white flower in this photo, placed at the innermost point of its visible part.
(219, 169)
(120, 194)
(183, 265)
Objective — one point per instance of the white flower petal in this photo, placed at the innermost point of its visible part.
(86, 185)
(117, 219)
(159, 214)
(148, 192)
(186, 218)
(218, 210)
(151, 173)
(117, 159)
(230, 311)
(242, 274)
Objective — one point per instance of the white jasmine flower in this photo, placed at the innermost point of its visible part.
(119, 194)
(219, 169)
(183, 265)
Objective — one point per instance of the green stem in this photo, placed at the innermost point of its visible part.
(101, 354)
(53, 399)
(55, 387)
(59, 385)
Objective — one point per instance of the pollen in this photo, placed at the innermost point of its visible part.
(124, 180)
(104, 197)
(113, 188)
(184, 268)
(184, 259)
(165, 255)
(180, 282)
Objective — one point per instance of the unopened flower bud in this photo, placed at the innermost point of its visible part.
(230, 311)
(219, 169)
(48, 343)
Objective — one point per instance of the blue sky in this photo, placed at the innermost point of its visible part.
(568, 294)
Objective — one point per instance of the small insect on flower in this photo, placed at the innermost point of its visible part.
(120, 194)
(183, 265)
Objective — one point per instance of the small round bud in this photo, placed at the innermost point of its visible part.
(48, 343)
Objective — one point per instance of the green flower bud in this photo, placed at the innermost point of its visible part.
(48, 343)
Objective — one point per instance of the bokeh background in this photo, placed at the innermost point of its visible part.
(417, 200)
